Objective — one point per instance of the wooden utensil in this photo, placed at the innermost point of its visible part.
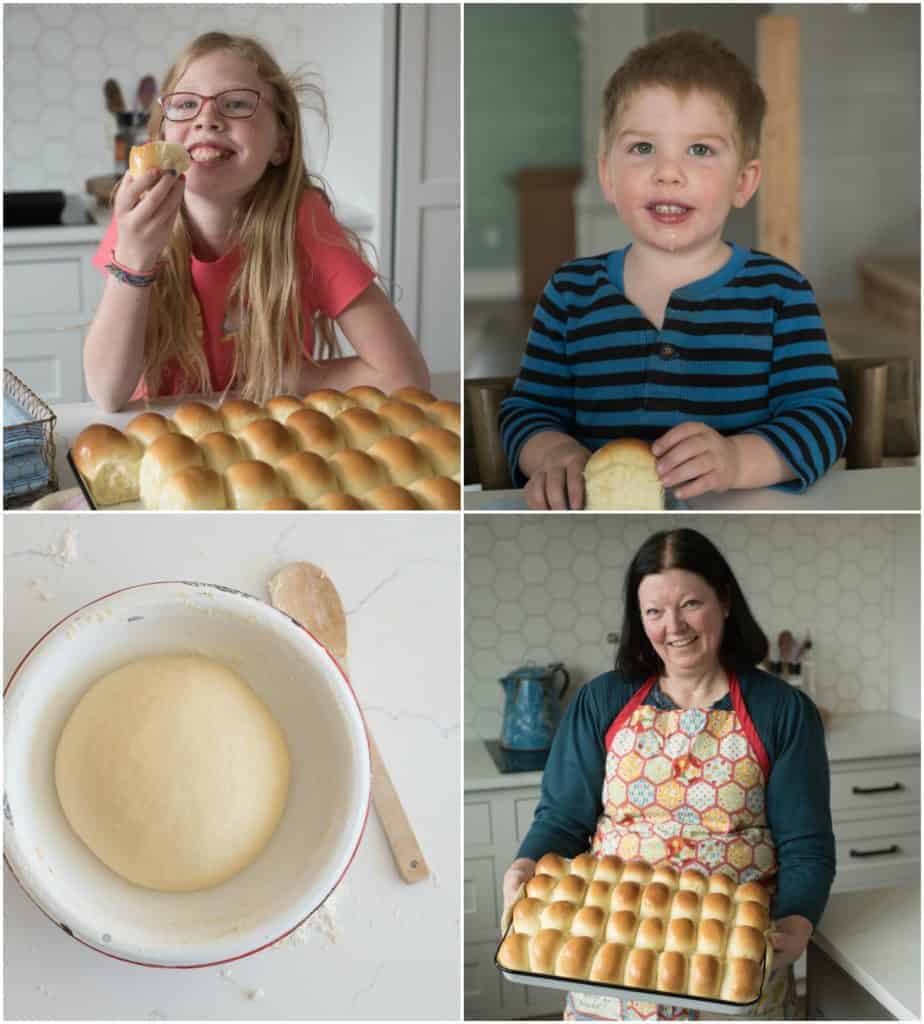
(115, 103)
(306, 593)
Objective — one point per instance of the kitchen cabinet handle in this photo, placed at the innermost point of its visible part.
(896, 787)
(875, 853)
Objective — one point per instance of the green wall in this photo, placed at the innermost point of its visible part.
(522, 108)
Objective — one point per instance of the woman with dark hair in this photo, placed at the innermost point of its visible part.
(703, 761)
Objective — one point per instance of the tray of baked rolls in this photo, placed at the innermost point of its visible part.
(610, 927)
(353, 450)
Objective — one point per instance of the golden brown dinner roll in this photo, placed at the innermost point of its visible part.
(391, 498)
(570, 888)
(109, 463)
(640, 968)
(584, 865)
(621, 926)
(252, 484)
(238, 412)
(367, 397)
(672, 972)
(442, 449)
(437, 493)
(723, 884)
(650, 934)
(361, 427)
(621, 475)
(281, 407)
(552, 864)
(626, 896)
(746, 943)
(196, 418)
(540, 887)
(403, 418)
(168, 156)
(330, 402)
(413, 395)
(285, 505)
(666, 875)
(711, 937)
(267, 441)
(681, 935)
(704, 975)
(598, 895)
(637, 871)
(753, 915)
(686, 904)
(526, 916)
(148, 427)
(656, 900)
(608, 963)
(558, 914)
(514, 952)
(717, 905)
(445, 414)
(589, 921)
(337, 501)
(307, 476)
(741, 982)
(315, 432)
(193, 488)
(575, 957)
(356, 472)
(609, 869)
(752, 892)
(693, 880)
(543, 950)
(221, 450)
(167, 455)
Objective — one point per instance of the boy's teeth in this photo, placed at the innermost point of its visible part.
(669, 208)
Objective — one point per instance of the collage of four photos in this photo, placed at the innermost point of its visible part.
(564, 361)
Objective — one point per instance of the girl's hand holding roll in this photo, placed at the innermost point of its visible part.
(145, 208)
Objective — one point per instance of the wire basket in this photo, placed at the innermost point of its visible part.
(36, 434)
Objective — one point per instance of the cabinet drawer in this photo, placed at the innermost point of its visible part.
(877, 854)
(525, 810)
(43, 287)
(875, 788)
(479, 829)
(479, 901)
(482, 982)
(49, 361)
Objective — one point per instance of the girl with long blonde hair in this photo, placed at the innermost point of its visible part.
(234, 274)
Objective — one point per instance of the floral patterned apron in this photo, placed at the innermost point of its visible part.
(686, 787)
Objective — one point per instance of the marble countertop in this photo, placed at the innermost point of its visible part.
(72, 417)
(380, 949)
(860, 735)
(875, 936)
(891, 488)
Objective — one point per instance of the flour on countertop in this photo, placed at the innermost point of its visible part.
(323, 920)
(64, 552)
(255, 993)
(39, 586)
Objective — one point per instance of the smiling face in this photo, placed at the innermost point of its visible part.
(684, 620)
(673, 169)
(229, 155)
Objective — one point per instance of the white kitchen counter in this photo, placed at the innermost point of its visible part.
(875, 936)
(864, 734)
(72, 417)
(380, 949)
(891, 488)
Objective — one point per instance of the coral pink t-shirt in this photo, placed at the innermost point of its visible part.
(334, 275)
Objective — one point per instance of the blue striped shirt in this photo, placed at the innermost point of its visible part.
(743, 351)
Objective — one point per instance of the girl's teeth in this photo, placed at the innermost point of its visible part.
(203, 155)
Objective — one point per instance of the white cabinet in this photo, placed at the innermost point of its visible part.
(50, 294)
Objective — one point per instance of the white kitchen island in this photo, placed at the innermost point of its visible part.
(379, 949)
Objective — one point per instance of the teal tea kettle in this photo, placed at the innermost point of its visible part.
(532, 706)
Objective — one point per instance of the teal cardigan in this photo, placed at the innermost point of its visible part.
(798, 796)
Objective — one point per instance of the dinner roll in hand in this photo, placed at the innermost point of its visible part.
(621, 476)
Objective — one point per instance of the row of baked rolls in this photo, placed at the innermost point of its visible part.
(550, 952)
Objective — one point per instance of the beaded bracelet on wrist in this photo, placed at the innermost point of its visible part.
(135, 280)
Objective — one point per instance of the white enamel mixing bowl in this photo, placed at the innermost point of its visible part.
(328, 799)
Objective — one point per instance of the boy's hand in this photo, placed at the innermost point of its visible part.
(558, 482)
(694, 459)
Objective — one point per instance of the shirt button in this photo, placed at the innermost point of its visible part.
(668, 351)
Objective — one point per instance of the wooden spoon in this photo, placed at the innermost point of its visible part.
(306, 593)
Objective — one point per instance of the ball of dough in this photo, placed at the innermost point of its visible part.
(173, 772)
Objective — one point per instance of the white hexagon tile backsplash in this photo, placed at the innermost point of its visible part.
(549, 588)
(56, 129)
